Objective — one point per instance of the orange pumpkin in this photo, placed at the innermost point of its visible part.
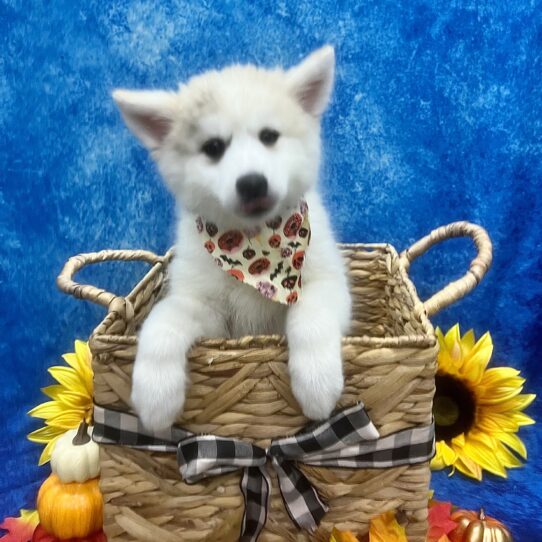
(477, 527)
(41, 535)
(70, 510)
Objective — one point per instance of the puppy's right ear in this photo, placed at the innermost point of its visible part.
(148, 113)
(312, 80)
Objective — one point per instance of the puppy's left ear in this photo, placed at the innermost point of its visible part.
(148, 113)
(311, 81)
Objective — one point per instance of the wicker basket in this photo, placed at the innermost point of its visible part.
(241, 388)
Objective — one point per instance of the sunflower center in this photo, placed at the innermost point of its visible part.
(445, 410)
(454, 407)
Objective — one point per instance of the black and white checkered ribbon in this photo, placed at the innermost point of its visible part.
(347, 439)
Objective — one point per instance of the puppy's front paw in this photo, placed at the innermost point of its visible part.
(158, 391)
(317, 390)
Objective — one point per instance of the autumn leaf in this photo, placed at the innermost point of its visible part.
(342, 536)
(384, 528)
(440, 522)
(20, 529)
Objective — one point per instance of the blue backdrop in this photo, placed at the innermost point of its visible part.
(436, 117)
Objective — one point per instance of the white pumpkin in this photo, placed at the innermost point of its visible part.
(75, 456)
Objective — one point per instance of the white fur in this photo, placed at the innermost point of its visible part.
(235, 104)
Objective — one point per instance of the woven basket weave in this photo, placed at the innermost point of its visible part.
(241, 388)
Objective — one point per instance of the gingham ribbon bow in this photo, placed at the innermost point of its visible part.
(347, 439)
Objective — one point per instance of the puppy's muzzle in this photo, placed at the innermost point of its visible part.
(251, 187)
(253, 192)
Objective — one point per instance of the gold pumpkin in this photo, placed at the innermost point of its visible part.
(477, 527)
(72, 510)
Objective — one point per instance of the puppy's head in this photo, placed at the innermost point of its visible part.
(243, 142)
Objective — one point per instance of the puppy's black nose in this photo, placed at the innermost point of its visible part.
(251, 187)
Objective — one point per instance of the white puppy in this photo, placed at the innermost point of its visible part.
(238, 147)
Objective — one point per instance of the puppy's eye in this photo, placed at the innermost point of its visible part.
(268, 136)
(214, 148)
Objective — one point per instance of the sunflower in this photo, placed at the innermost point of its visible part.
(478, 411)
(71, 399)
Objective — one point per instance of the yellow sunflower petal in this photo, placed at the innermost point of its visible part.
(452, 337)
(459, 440)
(485, 457)
(500, 380)
(53, 391)
(446, 365)
(80, 361)
(521, 402)
(496, 396)
(74, 400)
(46, 410)
(522, 419)
(507, 458)
(83, 352)
(68, 378)
(468, 467)
(491, 422)
(482, 437)
(47, 451)
(475, 364)
(78, 365)
(513, 442)
(467, 342)
(518, 403)
(69, 419)
(444, 456)
(494, 375)
(440, 338)
(484, 343)
(45, 434)
(438, 462)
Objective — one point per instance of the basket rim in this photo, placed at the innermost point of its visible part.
(418, 340)
(279, 341)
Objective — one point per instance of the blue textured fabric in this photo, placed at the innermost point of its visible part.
(436, 117)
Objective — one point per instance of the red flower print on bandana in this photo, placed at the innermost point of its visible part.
(274, 241)
(292, 298)
(292, 225)
(236, 273)
(259, 266)
(298, 259)
(230, 240)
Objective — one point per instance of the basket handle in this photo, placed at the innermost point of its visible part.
(102, 297)
(478, 267)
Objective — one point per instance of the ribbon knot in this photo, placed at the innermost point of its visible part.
(203, 456)
(348, 439)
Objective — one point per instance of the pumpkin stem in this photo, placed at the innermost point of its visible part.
(82, 436)
(482, 514)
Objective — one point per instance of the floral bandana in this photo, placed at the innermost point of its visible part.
(268, 258)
